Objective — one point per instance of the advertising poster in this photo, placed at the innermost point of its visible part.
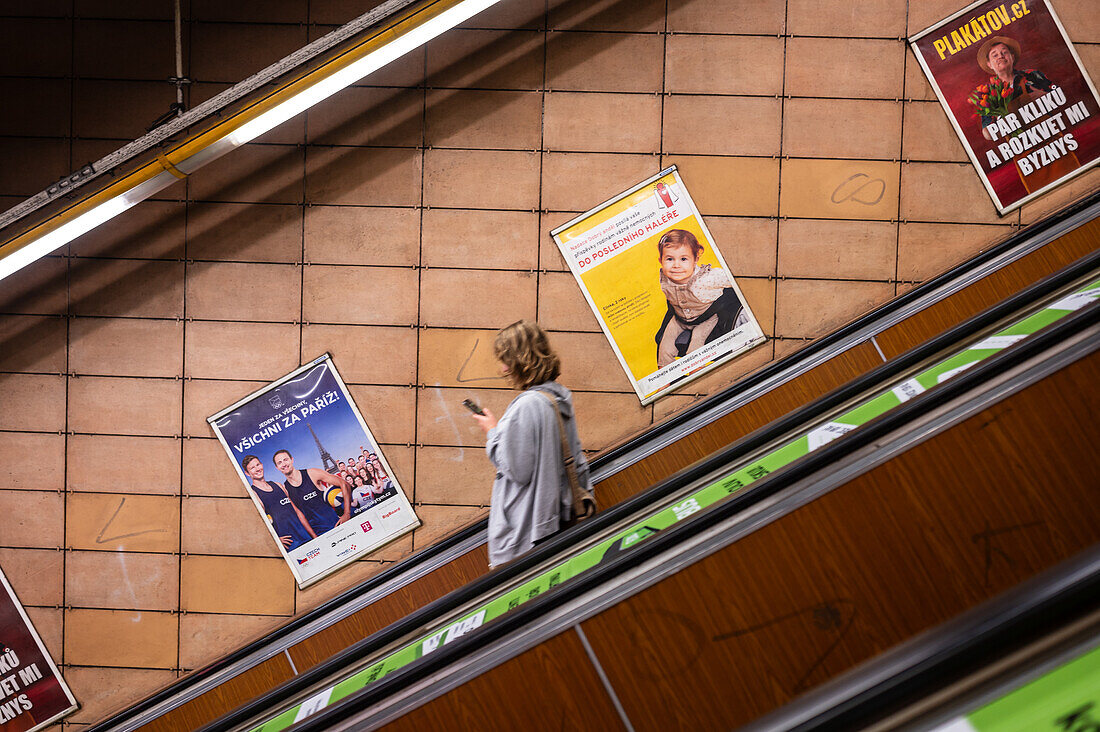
(32, 693)
(664, 297)
(1016, 94)
(314, 471)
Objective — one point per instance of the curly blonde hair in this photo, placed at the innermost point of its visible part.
(524, 348)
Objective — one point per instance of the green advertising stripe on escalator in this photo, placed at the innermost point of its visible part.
(703, 498)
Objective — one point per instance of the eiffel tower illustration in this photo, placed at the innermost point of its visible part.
(326, 459)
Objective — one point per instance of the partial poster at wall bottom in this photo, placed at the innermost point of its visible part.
(32, 693)
(314, 471)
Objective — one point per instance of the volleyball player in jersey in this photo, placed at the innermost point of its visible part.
(289, 522)
(301, 486)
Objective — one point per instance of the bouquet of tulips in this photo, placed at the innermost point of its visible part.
(991, 100)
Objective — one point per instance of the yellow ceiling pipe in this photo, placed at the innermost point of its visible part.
(407, 31)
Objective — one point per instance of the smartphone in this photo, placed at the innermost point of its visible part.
(473, 407)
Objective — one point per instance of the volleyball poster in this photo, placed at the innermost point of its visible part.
(32, 693)
(1016, 93)
(314, 471)
(658, 285)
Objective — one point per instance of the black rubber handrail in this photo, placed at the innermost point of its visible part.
(427, 555)
(606, 573)
(431, 613)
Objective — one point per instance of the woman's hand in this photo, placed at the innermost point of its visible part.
(486, 421)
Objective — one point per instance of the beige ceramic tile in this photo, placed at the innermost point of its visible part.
(208, 471)
(720, 125)
(724, 65)
(237, 585)
(458, 358)
(38, 46)
(1080, 21)
(378, 176)
(730, 186)
(615, 62)
(230, 291)
(925, 250)
(123, 464)
(32, 402)
(476, 298)
(442, 521)
(252, 174)
(32, 343)
(930, 12)
(788, 346)
(578, 181)
(127, 288)
(40, 288)
(486, 59)
(49, 622)
(365, 354)
(747, 245)
(389, 411)
(917, 86)
(206, 638)
(929, 136)
(368, 116)
(259, 351)
(360, 295)
(643, 16)
(837, 249)
(845, 67)
(230, 526)
(124, 406)
(840, 189)
(841, 128)
(136, 639)
(107, 49)
(496, 239)
(204, 398)
(350, 576)
(150, 230)
(31, 165)
(102, 691)
(122, 580)
(760, 296)
(562, 305)
(484, 119)
(32, 461)
(244, 232)
(34, 574)
(362, 235)
(721, 16)
(604, 420)
(481, 179)
(453, 476)
(125, 347)
(876, 18)
(234, 51)
(443, 421)
(813, 308)
(117, 109)
(603, 122)
(135, 523)
(587, 362)
(509, 15)
(945, 192)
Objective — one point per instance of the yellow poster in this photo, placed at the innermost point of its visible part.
(660, 289)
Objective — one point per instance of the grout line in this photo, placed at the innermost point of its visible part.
(603, 678)
(423, 86)
(779, 186)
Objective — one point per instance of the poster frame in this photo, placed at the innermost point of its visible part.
(701, 371)
(1001, 208)
(73, 703)
(289, 561)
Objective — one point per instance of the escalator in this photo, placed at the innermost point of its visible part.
(650, 458)
(640, 595)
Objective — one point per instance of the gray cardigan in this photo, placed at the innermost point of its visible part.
(531, 495)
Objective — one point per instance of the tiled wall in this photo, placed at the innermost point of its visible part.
(397, 226)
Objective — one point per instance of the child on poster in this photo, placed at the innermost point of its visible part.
(701, 305)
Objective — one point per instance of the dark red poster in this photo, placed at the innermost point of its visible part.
(32, 692)
(1017, 95)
